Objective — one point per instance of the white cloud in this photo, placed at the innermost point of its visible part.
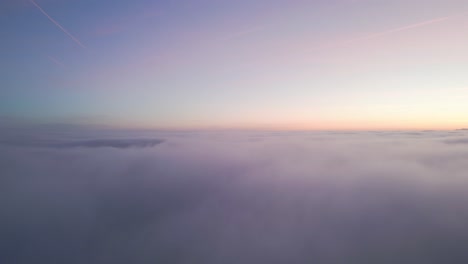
(308, 197)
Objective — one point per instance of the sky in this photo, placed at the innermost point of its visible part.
(275, 64)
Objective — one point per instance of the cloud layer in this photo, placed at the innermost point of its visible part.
(244, 197)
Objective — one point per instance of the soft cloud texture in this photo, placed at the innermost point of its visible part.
(92, 143)
(457, 141)
(237, 197)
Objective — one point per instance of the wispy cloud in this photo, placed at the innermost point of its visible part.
(404, 28)
(55, 61)
(110, 143)
(457, 141)
(76, 40)
(118, 143)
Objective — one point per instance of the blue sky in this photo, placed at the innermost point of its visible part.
(236, 64)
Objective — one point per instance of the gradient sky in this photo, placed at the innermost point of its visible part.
(285, 64)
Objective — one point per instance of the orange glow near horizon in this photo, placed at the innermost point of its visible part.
(358, 125)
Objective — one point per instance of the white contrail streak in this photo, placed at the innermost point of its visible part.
(417, 25)
(77, 41)
(54, 60)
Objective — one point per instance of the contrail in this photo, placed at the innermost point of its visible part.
(421, 24)
(58, 25)
(54, 60)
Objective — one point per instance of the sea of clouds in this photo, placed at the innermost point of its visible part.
(73, 195)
